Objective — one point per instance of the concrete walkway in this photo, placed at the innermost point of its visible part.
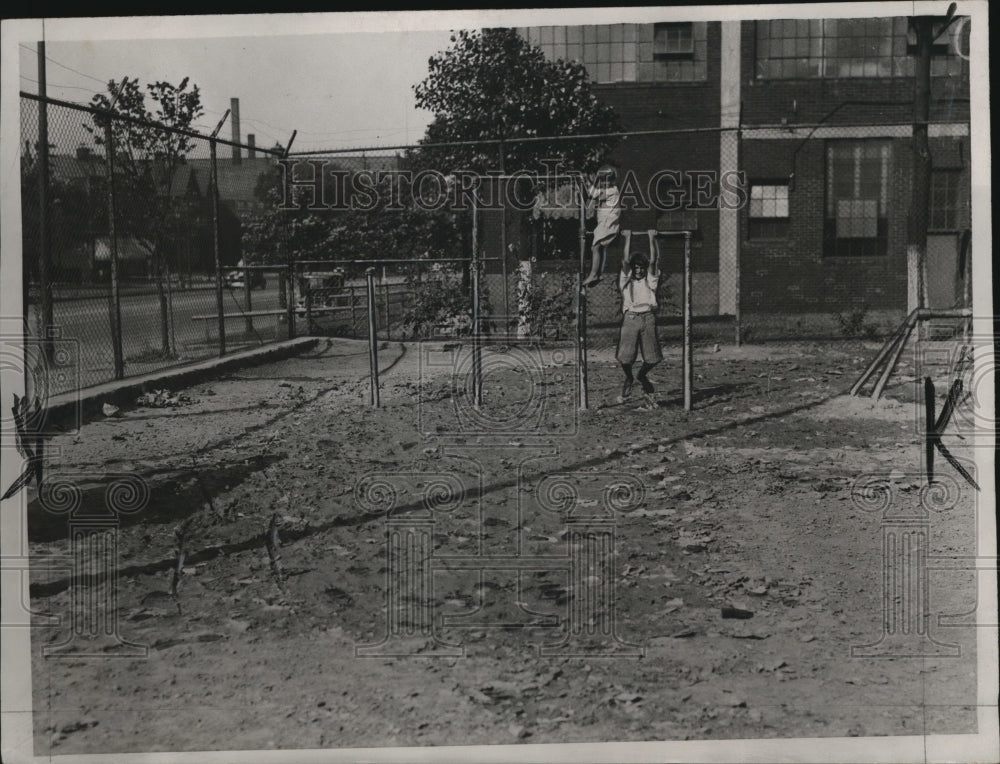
(67, 411)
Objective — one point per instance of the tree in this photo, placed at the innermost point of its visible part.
(147, 157)
(390, 226)
(493, 85)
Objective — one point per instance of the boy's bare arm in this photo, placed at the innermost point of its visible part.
(654, 251)
(627, 256)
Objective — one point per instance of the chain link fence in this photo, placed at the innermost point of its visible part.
(129, 252)
(813, 231)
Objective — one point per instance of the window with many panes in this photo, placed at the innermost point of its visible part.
(673, 40)
(768, 211)
(857, 197)
(945, 200)
(667, 52)
(878, 47)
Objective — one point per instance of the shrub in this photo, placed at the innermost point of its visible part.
(852, 324)
(548, 304)
(440, 305)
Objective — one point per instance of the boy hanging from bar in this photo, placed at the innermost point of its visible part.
(605, 202)
(637, 284)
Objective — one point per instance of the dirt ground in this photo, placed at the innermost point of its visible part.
(745, 508)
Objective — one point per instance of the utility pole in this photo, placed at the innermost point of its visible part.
(916, 250)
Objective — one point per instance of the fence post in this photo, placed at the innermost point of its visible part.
(688, 365)
(503, 237)
(581, 340)
(170, 313)
(477, 379)
(290, 299)
(116, 298)
(215, 247)
(44, 241)
(388, 323)
(738, 308)
(247, 301)
(581, 306)
(372, 339)
(354, 318)
(307, 296)
(477, 352)
(916, 249)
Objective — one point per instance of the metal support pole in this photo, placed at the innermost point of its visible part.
(44, 240)
(477, 371)
(923, 28)
(738, 308)
(290, 298)
(247, 301)
(477, 351)
(116, 298)
(581, 339)
(688, 363)
(929, 440)
(354, 318)
(170, 315)
(372, 339)
(307, 295)
(214, 192)
(385, 292)
(581, 307)
(503, 241)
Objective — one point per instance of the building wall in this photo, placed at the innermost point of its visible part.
(791, 270)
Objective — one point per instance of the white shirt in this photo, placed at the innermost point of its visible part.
(638, 296)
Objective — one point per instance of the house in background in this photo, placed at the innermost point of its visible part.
(190, 246)
(824, 224)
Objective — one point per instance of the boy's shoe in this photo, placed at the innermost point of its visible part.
(626, 392)
(591, 281)
(647, 386)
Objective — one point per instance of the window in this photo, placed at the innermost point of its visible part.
(673, 41)
(667, 52)
(944, 201)
(857, 190)
(768, 210)
(879, 47)
(608, 51)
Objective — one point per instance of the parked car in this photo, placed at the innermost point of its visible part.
(321, 288)
(234, 279)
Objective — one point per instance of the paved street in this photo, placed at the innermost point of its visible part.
(84, 324)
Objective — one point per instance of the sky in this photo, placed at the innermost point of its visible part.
(341, 80)
(335, 90)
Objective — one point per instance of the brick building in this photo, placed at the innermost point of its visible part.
(817, 114)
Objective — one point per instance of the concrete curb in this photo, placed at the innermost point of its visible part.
(68, 411)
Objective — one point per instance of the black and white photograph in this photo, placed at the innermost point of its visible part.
(556, 384)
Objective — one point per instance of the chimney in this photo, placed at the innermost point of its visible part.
(251, 146)
(234, 108)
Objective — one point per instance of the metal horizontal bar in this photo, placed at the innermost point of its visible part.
(404, 261)
(643, 232)
(618, 134)
(248, 314)
(925, 314)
